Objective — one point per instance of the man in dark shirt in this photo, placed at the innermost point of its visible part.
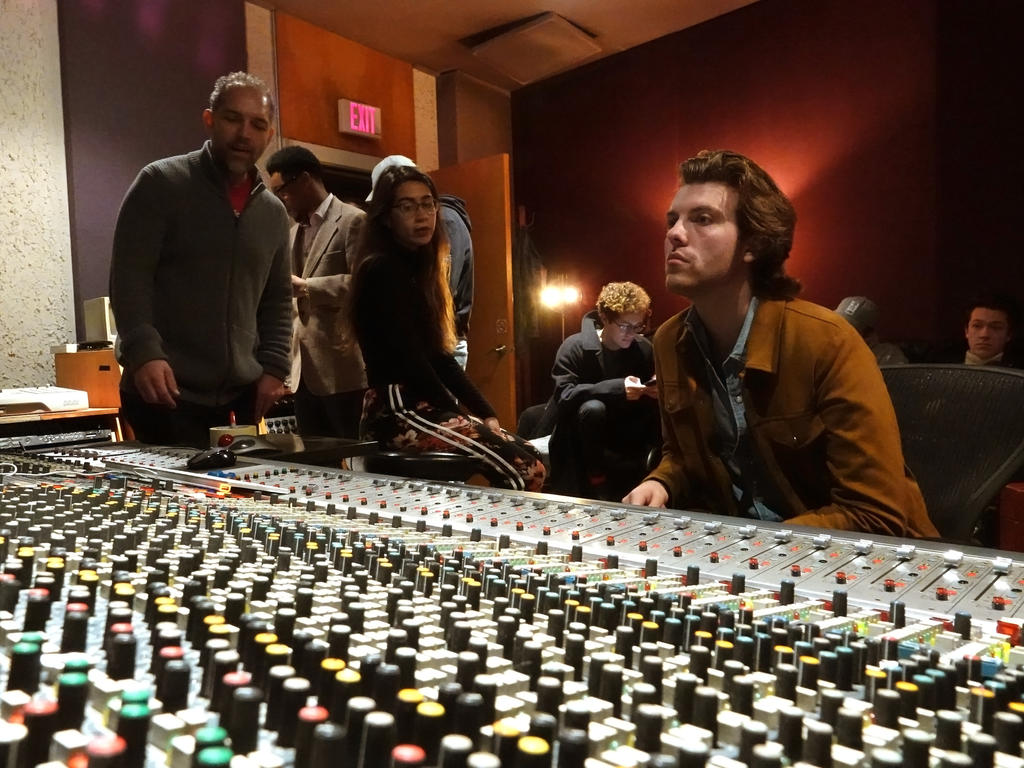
(991, 321)
(199, 280)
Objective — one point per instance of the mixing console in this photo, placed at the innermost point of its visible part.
(277, 614)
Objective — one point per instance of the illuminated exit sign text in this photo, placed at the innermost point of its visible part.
(359, 119)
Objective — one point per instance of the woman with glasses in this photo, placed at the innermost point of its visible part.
(605, 401)
(419, 399)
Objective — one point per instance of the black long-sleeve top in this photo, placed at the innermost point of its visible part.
(390, 320)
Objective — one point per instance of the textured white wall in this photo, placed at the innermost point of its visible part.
(36, 294)
(425, 103)
(261, 60)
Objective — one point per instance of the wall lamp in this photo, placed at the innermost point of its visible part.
(559, 296)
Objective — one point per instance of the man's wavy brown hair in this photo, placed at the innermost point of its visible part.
(765, 216)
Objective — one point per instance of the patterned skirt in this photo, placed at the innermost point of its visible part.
(416, 426)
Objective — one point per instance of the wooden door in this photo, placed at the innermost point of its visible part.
(484, 185)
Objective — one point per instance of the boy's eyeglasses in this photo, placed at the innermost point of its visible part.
(629, 327)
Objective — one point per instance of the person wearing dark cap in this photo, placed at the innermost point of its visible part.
(327, 373)
(772, 408)
(456, 222)
(862, 314)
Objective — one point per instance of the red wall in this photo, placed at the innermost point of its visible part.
(980, 164)
(837, 100)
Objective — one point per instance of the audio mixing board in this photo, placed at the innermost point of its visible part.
(276, 614)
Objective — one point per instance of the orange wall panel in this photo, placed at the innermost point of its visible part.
(315, 68)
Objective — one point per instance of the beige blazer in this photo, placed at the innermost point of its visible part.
(325, 354)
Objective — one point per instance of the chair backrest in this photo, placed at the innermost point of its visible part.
(531, 424)
(426, 465)
(962, 430)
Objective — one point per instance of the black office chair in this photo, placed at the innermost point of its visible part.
(962, 430)
(535, 421)
(427, 465)
(367, 456)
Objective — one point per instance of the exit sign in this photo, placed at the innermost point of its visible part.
(360, 119)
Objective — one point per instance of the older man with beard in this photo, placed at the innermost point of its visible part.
(200, 279)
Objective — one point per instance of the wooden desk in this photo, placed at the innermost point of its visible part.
(20, 423)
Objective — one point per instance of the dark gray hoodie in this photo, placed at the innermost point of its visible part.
(456, 222)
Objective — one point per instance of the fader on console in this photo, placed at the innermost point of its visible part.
(277, 614)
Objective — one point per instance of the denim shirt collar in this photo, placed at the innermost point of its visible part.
(736, 359)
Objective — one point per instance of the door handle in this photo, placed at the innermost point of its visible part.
(501, 349)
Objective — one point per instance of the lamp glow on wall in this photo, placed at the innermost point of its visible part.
(559, 296)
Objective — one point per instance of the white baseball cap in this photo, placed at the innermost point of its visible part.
(388, 162)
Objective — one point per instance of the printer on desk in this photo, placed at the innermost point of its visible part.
(22, 400)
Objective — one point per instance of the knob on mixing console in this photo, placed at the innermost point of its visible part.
(153, 617)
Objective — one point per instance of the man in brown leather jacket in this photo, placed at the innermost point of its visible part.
(772, 408)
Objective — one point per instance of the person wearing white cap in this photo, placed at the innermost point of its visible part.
(460, 271)
(419, 399)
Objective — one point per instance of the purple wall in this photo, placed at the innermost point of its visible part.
(136, 76)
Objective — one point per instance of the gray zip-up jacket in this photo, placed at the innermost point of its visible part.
(195, 285)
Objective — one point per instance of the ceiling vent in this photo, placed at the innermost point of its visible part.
(536, 48)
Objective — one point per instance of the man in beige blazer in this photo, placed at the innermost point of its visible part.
(327, 373)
